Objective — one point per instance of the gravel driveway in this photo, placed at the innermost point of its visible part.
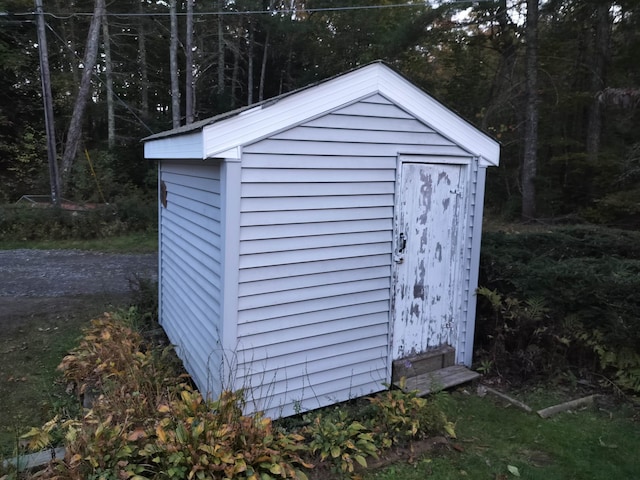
(39, 281)
(54, 273)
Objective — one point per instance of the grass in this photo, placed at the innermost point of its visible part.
(146, 242)
(496, 441)
(28, 357)
(29, 389)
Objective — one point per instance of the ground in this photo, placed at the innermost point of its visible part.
(46, 297)
(32, 274)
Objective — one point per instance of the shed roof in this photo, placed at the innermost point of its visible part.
(223, 136)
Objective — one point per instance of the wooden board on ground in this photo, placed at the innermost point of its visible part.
(438, 380)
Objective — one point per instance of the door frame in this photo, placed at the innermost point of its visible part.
(463, 232)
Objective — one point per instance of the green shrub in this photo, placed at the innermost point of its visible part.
(400, 417)
(345, 436)
(24, 222)
(342, 441)
(586, 279)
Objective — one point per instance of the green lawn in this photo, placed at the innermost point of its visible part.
(29, 391)
(146, 242)
(498, 441)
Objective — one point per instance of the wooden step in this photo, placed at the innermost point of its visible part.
(429, 361)
(442, 379)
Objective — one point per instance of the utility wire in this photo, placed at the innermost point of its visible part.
(66, 16)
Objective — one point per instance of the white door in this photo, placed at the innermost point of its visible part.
(429, 248)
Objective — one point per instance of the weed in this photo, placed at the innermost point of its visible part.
(341, 441)
(519, 338)
(402, 417)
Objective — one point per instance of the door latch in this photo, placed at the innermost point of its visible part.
(402, 243)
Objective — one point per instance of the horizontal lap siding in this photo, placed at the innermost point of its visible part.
(190, 263)
(315, 255)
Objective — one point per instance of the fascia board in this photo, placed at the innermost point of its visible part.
(439, 117)
(181, 147)
(263, 121)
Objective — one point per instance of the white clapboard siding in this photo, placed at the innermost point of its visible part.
(301, 189)
(283, 366)
(313, 318)
(273, 204)
(304, 281)
(197, 237)
(333, 327)
(320, 381)
(274, 272)
(302, 349)
(190, 266)
(262, 232)
(194, 254)
(314, 241)
(309, 134)
(315, 253)
(352, 148)
(284, 160)
(307, 293)
(272, 366)
(370, 109)
(370, 123)
(285, 217)
(314, 175)
(291, 309)
(312, 255)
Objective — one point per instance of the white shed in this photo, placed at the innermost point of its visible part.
(309, 241)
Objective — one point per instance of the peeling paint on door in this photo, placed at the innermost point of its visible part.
(429, 216)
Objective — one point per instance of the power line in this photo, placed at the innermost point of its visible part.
(66, 16)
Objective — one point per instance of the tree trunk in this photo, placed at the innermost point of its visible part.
(173, 66)
(142, 62)
(502, 87)
(220, 51)
(250, 66)
(263, 70)
(235, 74)
(599, 58)
(188, 48)
(89, 62)
(68, 31)
(108, 70)
(45, 77)
(530, 157)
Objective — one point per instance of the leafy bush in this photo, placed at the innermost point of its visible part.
(519, 339)
(146, 422)
(345, 436)
(583, 284)
(341, 440)
(24, 222)
(400, 417)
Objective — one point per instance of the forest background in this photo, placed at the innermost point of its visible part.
(573, 64)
